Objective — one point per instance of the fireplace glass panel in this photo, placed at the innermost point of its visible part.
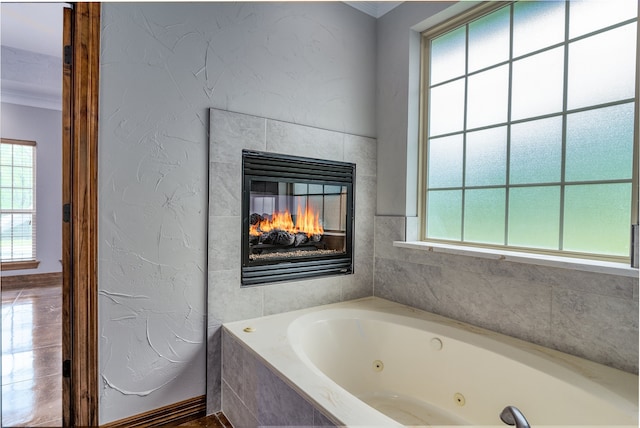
(289, 220)
(297, 218)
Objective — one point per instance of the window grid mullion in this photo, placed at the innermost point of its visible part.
(12, 248)
(564, 111)
(508, 157)
(565, 86)
(12, 252)
(464, 132)
(525, 185)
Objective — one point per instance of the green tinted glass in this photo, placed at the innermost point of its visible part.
(600, 144)
(597, 218)
(445, 162)
(489, 39)
(534, 217)
(537, 25)
(444, 216)
(536, 151)
(484, 211)
(486, 157)
(448, 56)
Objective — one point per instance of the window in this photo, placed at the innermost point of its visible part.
(529, 128)
(17, 203)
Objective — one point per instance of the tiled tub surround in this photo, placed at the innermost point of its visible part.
(230, 133)
(254, 395)
(346, 360)
(591, 315)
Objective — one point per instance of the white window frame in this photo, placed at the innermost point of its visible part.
(32, 262)
(489, 250)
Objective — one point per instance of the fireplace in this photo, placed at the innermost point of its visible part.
(297, 218)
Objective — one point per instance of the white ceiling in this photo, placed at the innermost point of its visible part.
(31, 54)
(35, 27)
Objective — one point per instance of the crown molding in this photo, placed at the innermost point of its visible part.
(26, 94)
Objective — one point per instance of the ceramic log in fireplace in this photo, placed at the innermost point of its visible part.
(297, 218)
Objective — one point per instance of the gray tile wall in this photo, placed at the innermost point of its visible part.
(594, 316)
(253, 395)
(229, 134)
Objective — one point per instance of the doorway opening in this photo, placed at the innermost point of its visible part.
(31, 164)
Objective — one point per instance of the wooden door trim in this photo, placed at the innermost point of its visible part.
(66, 226)
(80, 177)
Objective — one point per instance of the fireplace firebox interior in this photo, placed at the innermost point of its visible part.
(297, 218)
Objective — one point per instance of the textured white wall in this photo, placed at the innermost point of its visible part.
(43, 126)
(162, 66)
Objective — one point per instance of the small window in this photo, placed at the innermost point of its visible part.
(528, 132)
(18, 202)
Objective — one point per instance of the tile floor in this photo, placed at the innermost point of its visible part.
(32, 357)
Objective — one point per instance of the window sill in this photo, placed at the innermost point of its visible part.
(28, 264)
(586, 265)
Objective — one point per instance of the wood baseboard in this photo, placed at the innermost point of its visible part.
(32, 280)
(171, 415)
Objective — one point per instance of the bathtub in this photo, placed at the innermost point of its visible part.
(372, 362)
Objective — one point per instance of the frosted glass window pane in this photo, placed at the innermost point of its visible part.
(444, 214)
(445, 162)
(489, 40)
(537, 25)
(600, 144)
(486, 157)
(534, 217)
(484, 216)
(448, 56)
(537, 84)
(597, 218)
(536, 151)
(446, 111)
(586, 16)
(602, 68)
(487, 97)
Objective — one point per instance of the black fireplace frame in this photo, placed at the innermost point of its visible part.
(286, 168)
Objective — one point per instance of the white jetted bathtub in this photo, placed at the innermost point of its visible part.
(372, 362)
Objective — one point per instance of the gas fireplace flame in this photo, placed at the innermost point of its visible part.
(307, 222)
